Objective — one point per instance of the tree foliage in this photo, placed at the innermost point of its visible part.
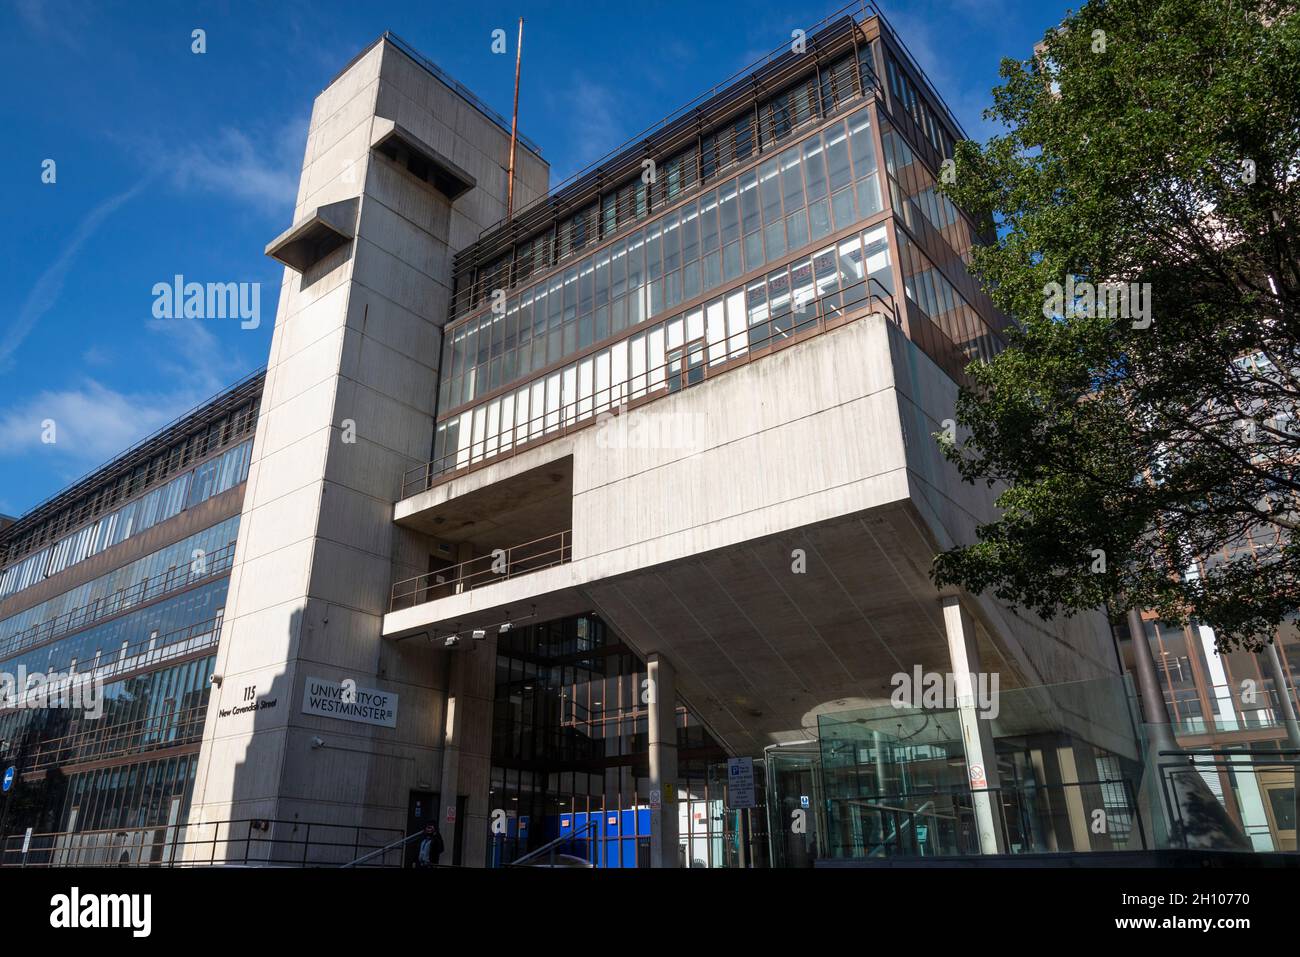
(1147, 142)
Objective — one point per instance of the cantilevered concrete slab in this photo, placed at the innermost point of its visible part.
(314, 237)
(782, 560)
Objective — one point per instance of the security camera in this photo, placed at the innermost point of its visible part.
(317, 743)
(215, 679)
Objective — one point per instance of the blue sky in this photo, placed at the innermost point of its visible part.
(168, 162)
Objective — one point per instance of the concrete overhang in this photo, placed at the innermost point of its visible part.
(309, 241)
(780, 560)
(420, 159)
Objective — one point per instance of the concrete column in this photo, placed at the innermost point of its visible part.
(452, 727)
(663, 761)
(977, 736)
(467, 749)
(1273, 661)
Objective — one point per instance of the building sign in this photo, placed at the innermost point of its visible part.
(248, 703)
(740, 783)
(351, 703)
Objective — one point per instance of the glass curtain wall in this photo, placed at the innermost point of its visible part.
(570, 753)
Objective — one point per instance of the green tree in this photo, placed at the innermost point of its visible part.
(1153, 143)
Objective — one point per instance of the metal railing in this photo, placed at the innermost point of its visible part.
(208, 410)
(244, 842)
(170, 729)
(144, 653)
(815, 317)
(504, 564)
(147, 589)
(581, 839)
(1262, 714)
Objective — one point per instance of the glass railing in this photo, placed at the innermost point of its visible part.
(1077, 771)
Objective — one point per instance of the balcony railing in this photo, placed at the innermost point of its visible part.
(502, 564)
(147, 589)
(816, 316)
(167, 730)
(1189, 718)
(144, 653)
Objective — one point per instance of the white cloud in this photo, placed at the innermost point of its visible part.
(263, 173)
(91, 422)
(94, 422)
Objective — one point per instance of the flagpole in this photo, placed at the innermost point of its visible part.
(514, 127)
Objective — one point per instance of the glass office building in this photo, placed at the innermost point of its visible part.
(822, 190)
(120, 581)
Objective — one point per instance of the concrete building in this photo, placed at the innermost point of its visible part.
(608, 526)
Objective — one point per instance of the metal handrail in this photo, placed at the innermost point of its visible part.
(827, 313)
(146, 589)
(465, 576)
(162, 845)
(400, 842)
(581, 834)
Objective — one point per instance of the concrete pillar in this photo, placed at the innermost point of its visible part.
(452, 725)
(467, 749)
(1273, 661)
(977, 736)
(663, 761)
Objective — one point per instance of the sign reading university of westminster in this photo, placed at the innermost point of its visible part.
(349, 702)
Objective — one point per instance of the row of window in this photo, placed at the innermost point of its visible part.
(183, 492)
(917, 200)
(177, 555)
(910, 103)
(168, 620)
(926, 286)
(765, 310)
(134, 795)
(180, 455)
(734, 142)
(824, 184)
(147, 711)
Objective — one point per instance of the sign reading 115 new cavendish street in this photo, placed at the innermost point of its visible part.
(349, 702)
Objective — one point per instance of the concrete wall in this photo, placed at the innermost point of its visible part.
(348, 406)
